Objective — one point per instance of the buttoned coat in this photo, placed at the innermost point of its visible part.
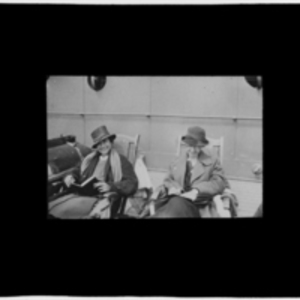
(207, 177)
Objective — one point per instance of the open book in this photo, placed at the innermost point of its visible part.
(86, 188)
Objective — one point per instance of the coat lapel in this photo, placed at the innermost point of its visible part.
(179, 171)
(204, 160)
(197, 171)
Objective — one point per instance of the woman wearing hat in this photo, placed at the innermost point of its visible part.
(114, 173)
(192, 182)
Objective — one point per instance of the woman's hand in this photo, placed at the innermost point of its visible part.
(102, 187)
(69, 180)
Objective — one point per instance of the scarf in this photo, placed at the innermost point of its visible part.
(90, 162)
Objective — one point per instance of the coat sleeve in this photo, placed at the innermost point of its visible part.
(76, 172)
(129, 182)
(215, 185)
(169, 180)
(82, 165)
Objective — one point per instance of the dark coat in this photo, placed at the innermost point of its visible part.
(75, 206)
(128, 184)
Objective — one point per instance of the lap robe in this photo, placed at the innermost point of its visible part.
(71, 206)
(177, 207)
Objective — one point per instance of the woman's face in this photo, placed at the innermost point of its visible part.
(193, 151)
(104, 146)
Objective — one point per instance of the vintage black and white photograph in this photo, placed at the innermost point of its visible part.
(148, 147)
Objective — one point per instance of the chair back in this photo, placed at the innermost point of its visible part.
(127, 146)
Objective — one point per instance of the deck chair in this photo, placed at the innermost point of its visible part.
(136, 203)
(127, 146)
(224, 202)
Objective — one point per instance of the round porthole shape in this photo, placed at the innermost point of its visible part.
(254, 81)
(96, 82)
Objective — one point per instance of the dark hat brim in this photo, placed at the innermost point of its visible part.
(110, 136)
(193, 142)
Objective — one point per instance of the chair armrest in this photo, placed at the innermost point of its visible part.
(222, 206)
(229, 196)
(60, 175)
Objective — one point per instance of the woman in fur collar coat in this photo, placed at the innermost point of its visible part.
(115, 178)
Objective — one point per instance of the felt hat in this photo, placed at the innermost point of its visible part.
(195, 137)
(99, 134)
